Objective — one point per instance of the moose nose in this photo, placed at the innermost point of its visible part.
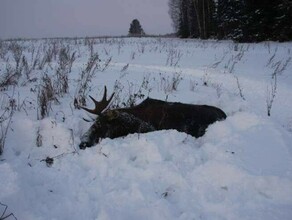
(83, 145)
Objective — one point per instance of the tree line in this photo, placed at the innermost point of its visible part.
(239, 20)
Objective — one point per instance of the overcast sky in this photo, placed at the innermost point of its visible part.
(62, 18)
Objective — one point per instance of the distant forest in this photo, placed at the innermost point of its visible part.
(238, 20)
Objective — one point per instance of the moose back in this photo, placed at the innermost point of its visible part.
(148, 116)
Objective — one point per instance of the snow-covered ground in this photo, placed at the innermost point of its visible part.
(240, 169)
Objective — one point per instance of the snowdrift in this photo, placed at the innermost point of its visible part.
(240, 169)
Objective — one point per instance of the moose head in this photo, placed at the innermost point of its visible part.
(148, 116)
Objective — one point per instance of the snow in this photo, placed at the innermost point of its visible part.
(240, 169)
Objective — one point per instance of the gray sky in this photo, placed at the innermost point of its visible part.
(61, 18)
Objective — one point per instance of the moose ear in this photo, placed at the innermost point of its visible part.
(111, 115)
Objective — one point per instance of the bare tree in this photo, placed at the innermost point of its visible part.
(204, 10)
(174, 13)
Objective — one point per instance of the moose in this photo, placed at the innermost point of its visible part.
(150, 115)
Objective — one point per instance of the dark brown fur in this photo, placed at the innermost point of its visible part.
(152, 115)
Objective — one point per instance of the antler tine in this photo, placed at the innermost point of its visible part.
(99, 106)
(110, 99)
(104, 94)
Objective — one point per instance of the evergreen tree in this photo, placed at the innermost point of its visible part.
(230, 19)
(240, 20)
(136, 29)
(261, 20)
(283, 21)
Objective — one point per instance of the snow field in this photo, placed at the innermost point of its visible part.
(240, 169)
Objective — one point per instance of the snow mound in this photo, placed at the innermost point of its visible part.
(240, 169)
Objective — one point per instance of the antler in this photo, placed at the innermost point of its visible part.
(99, 106)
